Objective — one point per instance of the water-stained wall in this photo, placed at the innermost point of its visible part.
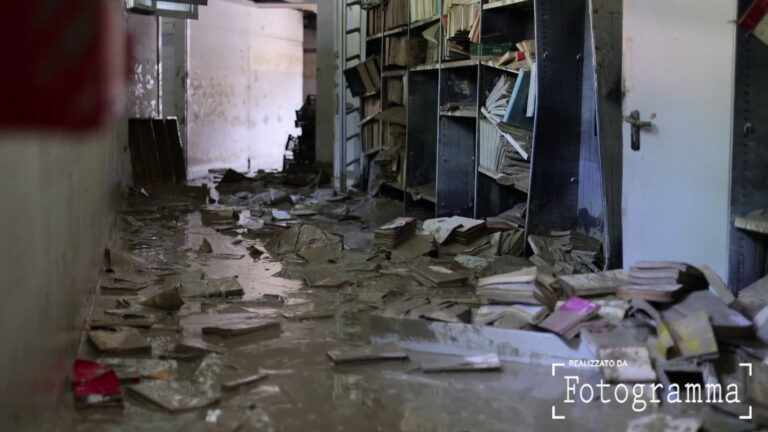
(245, 83)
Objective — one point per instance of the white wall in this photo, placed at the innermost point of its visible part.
(245, 83)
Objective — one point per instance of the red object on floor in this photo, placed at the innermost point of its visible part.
(84, 370)
(65, 63)
(95, 385)
(105, 384)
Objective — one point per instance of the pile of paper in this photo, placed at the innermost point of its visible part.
(661, 281)
(567, 252)
(515, 287)
(394, 232)
(439, 277)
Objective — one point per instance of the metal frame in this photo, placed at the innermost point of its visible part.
(749, 181)
(553, 195)
(605, 23)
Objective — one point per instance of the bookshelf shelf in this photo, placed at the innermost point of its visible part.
(507, 4)
(394, 72)
(396, 31)
(425, 22)
(459, 64)
(464, 114)
(425, 67)
(501, 68)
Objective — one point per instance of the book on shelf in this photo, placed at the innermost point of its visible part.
(424, 9)
(499, 160)
(371, 134)
(395, 90)
(375, 21)
(432, 35)
(516, 113)
(371, 106)
(396, 14)
(396, 51)
(364, 77)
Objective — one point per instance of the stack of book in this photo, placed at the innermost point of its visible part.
(518, 287)
(567, 252)
(439, 277)
(396, 14)
(498, 99)
(661, 281)
(365, 77)
(468, 234)
(424, 9)
(394, 232)
(502, 160)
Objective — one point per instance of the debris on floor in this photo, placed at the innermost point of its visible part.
(181, 318)
(367, 354)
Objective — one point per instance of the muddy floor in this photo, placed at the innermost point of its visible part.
(304, 391)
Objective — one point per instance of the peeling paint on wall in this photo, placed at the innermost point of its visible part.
(245, 83)
(143, 91)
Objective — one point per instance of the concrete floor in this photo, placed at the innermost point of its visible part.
(304, 390)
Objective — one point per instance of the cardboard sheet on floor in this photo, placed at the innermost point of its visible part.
(300, 237)
(175, 396)
(478, 363)
(238, 328)
(367, 353)
(122, 340)
(143, 368)
(321, 254)
(114, 321)
(234, 382)
(167, 299)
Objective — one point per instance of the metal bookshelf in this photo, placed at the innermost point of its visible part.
(442, 175)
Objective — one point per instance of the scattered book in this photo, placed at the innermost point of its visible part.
(239, 327)
(394, 232)
(652, 293)
(439, 277)
(519, 287)
(589, 284)
(574, 311)
(487, 362)
(367, 353)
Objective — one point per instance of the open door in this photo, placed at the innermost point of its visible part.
(678, 78)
